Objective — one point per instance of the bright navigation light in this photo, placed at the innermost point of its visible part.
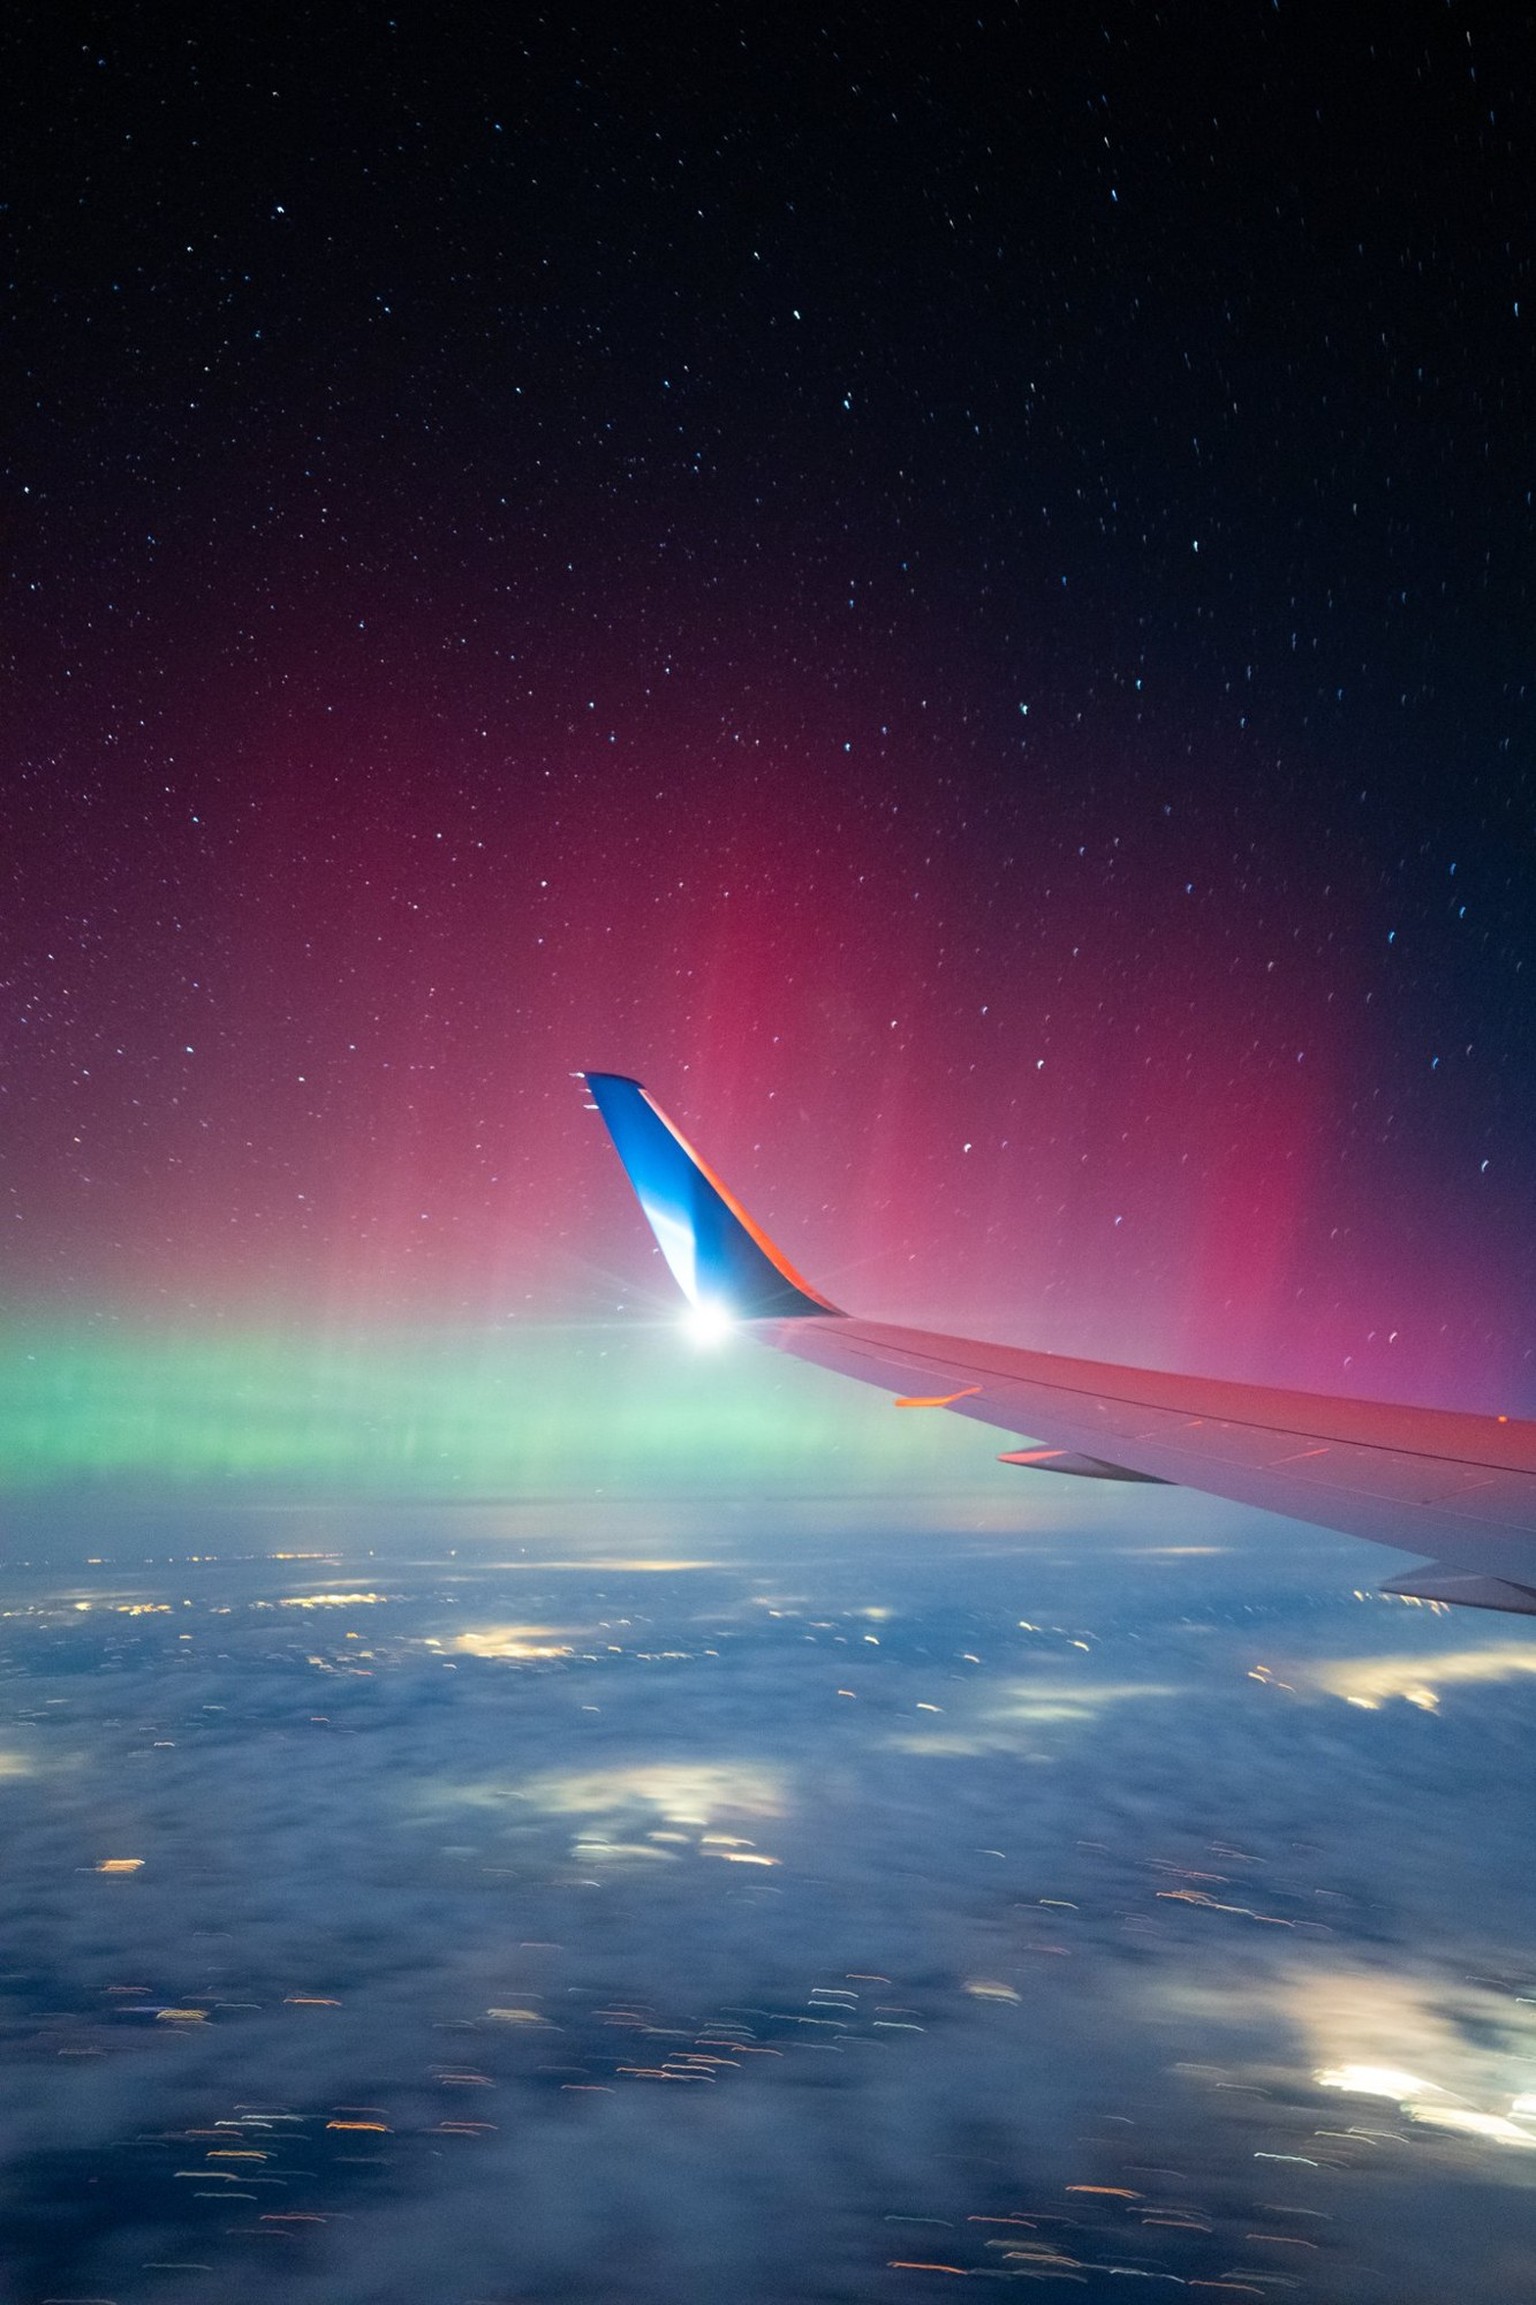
(709, 1324)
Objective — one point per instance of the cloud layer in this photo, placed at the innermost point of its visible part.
(836, 1921)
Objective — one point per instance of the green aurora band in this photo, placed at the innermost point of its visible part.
(552, 1412)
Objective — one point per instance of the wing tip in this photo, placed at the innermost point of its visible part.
(719, 1256)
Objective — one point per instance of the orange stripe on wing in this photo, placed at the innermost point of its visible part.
(936, 1400)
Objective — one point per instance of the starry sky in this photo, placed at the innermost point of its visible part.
(955, 597)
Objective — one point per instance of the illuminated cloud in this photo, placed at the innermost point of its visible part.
(1471, 2123)
(329, 1600)
(1371, 1681)
(689, 1793)
(1447, 2059)
(1173, 1552)
(1018, 1708)
(521, 1643)
(600, 1852)
(1374, 2081)
(1426, 2102)
(618, 1565)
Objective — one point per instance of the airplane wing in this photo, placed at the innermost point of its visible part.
(1457, 1486)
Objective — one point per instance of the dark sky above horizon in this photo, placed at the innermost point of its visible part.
(956, 596)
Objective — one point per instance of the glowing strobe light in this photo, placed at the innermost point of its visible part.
(710, 1323)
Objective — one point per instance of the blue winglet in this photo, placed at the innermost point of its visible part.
(719, 1258)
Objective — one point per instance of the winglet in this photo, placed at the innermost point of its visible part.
(720, 1259)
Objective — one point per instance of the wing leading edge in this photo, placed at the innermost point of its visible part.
(1460, 1487)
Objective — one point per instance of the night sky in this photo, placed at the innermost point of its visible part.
(955, 598)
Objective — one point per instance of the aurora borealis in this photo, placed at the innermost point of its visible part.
(602, 1414)
(958, 607)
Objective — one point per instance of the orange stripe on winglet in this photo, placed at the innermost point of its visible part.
(936, 1400)
(749, 1225)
